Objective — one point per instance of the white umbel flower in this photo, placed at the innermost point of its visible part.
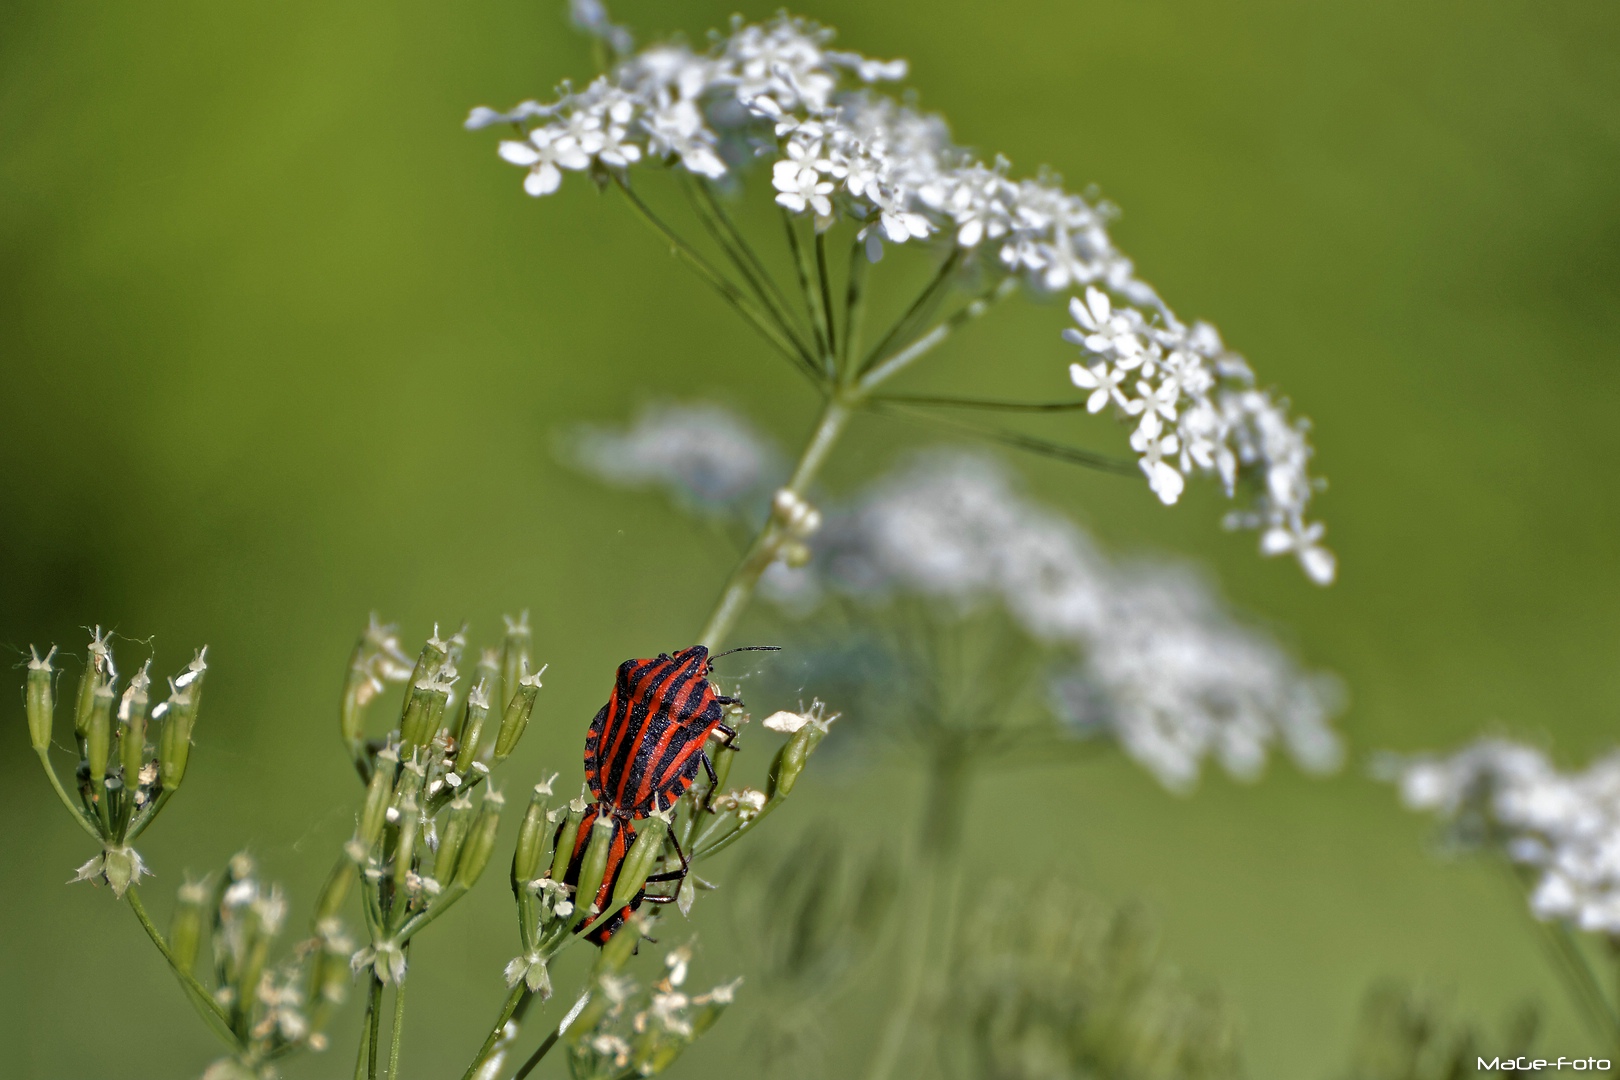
(838, 149)
(1157, 659)
(1565, 825)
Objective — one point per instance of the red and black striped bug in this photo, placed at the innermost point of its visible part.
(642, 753)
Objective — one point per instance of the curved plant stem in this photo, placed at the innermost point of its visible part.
(373, 1024)
(396, 1030)
(495, 1032)
(534, 1059)
(740, 588)
(364, 1053)
(86, 822)
(1570, 963)
(200, 998)
(721, 284)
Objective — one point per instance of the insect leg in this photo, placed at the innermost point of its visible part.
(708, 767)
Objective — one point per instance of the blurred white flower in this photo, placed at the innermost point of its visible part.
(703, 455)
(1566, 826)
(1159, 661)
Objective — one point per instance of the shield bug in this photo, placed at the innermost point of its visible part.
(643, 752)
(646, 743)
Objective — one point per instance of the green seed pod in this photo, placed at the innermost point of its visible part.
(480, 845)
(333, 894)
(711, 1006)
(411, 777)
(359, 687)
(434, 653)
(374, 812)
(132, 729)
(423, 709)
(471, 732)
(179, 717)
(335, 972)
(516, 717)
(563, 852)
(185, 932)
(405, 845)
(41, 703)
(807, 731)
(98, 669)
(643, 856)
(619, 948)
(453, 838)
(98, 737)
(516, 657)
(531, 841)
(721, 755)
(594, 868)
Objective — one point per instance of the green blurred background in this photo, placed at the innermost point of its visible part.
(282, 345)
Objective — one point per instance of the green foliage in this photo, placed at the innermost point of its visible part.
(1056, 985)
(1409, 1033)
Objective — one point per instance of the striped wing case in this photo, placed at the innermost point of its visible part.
(644, 743)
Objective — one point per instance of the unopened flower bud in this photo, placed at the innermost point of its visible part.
(457, 822)
(480, 845)
(471, 731)
(644, 855)
(567, 836)
(185, 932)
(517, 661)
(517, 716)
(41, 703)
(531, 841)
(594, 866)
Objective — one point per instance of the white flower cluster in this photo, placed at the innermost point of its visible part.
(777, 91)
(644, 1030)
(1564, 825)
(703, 455)
(1196, 410)
(1162, 664)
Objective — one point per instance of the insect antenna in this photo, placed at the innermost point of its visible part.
(746, 648)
